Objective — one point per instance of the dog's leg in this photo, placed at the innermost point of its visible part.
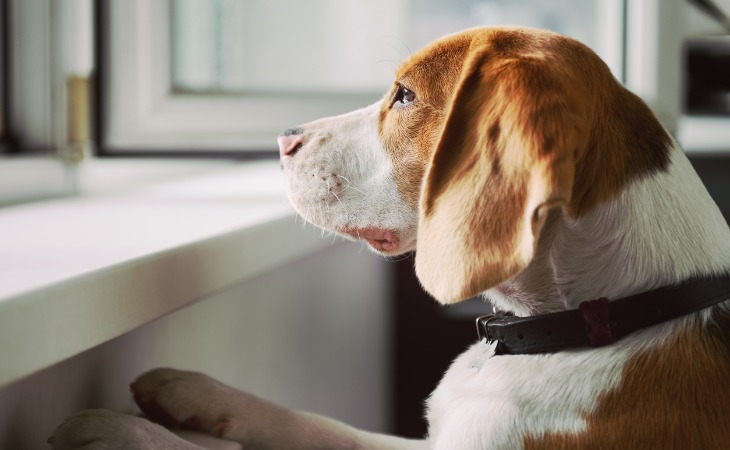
(196, 401)
(100, 429)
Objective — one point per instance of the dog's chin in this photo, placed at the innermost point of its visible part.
(382, 241)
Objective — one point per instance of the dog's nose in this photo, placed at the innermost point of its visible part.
(290, 140)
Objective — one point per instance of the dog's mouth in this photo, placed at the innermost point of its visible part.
(381, 240)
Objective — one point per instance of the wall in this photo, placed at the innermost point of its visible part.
(312, 335)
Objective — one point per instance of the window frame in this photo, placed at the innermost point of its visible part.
(32, 164)
(653, 56)
(159, 121)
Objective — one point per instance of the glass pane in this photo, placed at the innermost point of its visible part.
(351, 45)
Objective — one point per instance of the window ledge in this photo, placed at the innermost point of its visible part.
(704, 134)
(79, 272)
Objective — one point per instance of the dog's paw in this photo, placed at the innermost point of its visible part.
(100, 429)
(194, 401)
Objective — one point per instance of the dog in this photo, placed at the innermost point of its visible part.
(516, 167)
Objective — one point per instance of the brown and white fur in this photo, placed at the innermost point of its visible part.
(515, 166)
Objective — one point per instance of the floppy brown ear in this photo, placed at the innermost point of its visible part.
(506, 156)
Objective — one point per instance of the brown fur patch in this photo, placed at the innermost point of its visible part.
(409, 134)
(624, 140)
(493, 107)
(675, 397)
(481, 178)
(627, 143)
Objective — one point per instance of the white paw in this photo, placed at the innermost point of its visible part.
(100, 429)
(193, 401)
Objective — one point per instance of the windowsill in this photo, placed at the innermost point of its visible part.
(704, 134)
(78, 272)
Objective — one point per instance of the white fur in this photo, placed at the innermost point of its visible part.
(663, 229)
(342, 179)
(494, 406)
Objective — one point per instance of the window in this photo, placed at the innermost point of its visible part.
(143, 112)
(33, 158)
(280, 46)
(222, 76)
(347, 45)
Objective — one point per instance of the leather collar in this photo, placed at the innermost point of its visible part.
(599, 322)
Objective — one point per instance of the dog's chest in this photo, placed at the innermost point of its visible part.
(495, 402)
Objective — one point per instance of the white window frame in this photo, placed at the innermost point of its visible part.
(144, 114)
(653, 57)
(36, 106)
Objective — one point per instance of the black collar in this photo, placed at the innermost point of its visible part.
(599, 322)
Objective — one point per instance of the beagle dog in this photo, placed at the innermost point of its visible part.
(516, 167)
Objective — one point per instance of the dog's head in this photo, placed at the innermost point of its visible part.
(482, 134)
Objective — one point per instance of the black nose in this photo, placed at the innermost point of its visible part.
(291, 132)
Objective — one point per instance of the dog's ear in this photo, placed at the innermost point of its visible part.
(505, 157)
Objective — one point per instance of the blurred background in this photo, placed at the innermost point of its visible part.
(84, 80)
(142, 89)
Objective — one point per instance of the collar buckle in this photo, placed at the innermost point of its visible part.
(483, 327)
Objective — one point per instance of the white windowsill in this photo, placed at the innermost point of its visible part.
(78, 272)
(704, 134)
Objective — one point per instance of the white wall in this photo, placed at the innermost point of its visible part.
(312, 335)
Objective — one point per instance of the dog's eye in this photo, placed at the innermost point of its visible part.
(403, 97)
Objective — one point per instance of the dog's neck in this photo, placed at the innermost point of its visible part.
(662, 229)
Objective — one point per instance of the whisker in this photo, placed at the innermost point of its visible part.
(344, 208)
(342, 204)
(393, 63)
(402, 42)
(362, 247)
(350, 186)
(399, 258)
